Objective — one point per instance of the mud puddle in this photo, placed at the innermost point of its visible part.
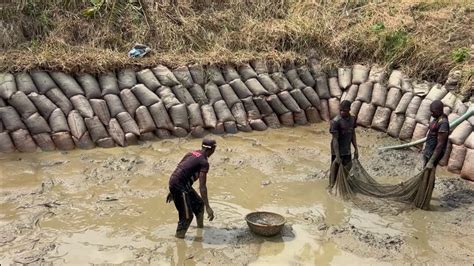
(108, 206)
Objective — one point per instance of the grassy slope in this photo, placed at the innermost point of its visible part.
(424, 38)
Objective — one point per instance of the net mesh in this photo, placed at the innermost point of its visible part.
(417, 190)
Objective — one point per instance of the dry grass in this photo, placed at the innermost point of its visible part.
(420, 37)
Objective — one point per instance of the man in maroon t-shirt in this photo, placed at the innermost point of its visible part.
(192, 167)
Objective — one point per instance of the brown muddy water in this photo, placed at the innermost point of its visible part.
(108, 206)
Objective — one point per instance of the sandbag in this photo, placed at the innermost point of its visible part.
(287, 119)
(90, 85)
(381, 118)
(258, 124)
(42, 81)
(424, 114)
(197, 73)
(160, 116)
(165, 76)
(299, 97)
(324, 110)
(11, 119)
(274, 66)
(272, 121)
(44, 105)
(469, 142)
(162, 133)
(344, 77)
(198, 132)
(57, 121)
(447, 110)
(355, 107)
(300, 118)
(127, 123)
(294, 79)
(96, 128)
(230, 73)
(63, 141)
(405, 101)
(246, 72)
(262, 105)
(183, 94)
(312, 97)
(238, 111)
(168, 97)
(281, 81)
(393, 98)
(406, 132)
(379, 95)
(230, 127)
(240, 88)
(288, 101)
(198, 94)
(333, 105)
(419, 132)
(144, 120)
(106, 142)
(351, 93)
(179, 116)
(6, 143)
(23, 141)
(459, 107)
(145, 96)
(260, 66)
(76, 124)
(208, 116)
(22, 104)
(305, 75)
(66, 83)
(460, 133)
(212, 93)
(147, 78)
(436, 93)
(25, 83)
(413, 107)
(60, 100)
(108, 83)
(255, 87)
(395, 125)
(366, 115)
(395, 79)
(131, 139)
(322, 87)
(44, 141)
(334, 88)
(130, 102)
(364, 93)
(467, 171)
(421, 89)
(277, 105)
(377, 74)
(445, 159)
(126, 78)
(360, 74)
(223, 112)
(268, 83)
(81, 104)
(115, 104)
(456, 158)
(215, 75)
(37, 124)
(449, 100)
(195, 117)
(313, 115)
(101, 110)
(407, 85)
(229, 95)
(251, 108)
(183, 76)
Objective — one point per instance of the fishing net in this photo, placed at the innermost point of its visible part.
(417, 190)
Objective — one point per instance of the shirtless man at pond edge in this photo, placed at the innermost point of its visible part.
(192, 167)
(343, 134)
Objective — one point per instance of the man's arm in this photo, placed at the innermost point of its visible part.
(442, 138)
(334, 130)
(203, 192)
(354, 143)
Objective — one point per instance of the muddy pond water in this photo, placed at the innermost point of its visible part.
(108, 206)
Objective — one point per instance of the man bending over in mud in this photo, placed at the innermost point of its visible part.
(343, 134)
(192, 167)
(437, 137)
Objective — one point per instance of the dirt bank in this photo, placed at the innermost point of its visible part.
(107, 206)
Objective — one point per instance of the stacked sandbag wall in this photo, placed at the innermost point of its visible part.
(55, 110)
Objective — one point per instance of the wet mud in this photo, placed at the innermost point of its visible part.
(108, 206)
